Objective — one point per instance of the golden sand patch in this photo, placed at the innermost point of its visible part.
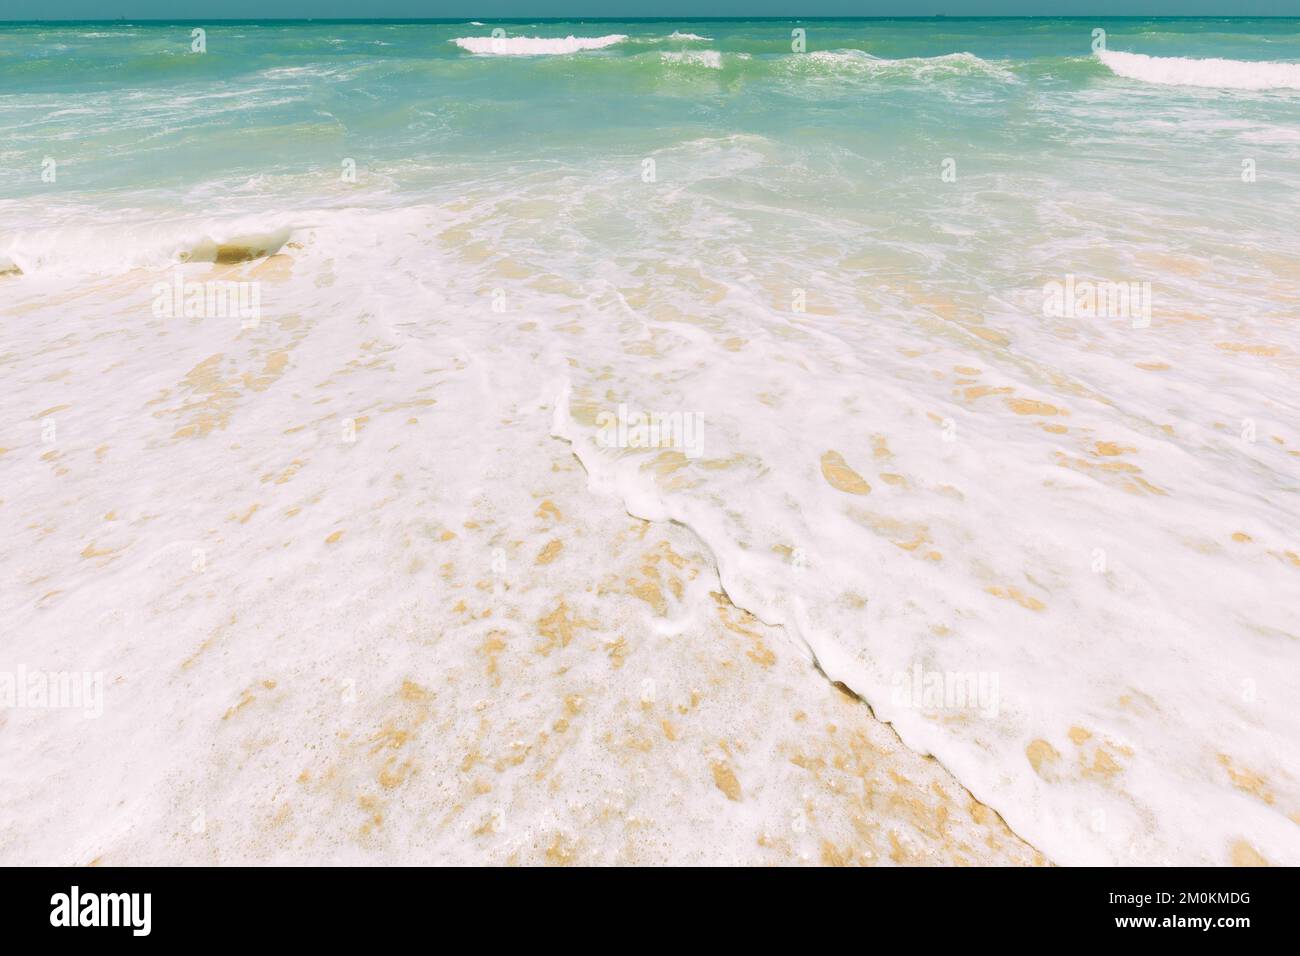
(245, 698)
(841, 477)
(393, 773)
(1041, 754)
(1245, 348)
(979, 391)
(908, 535)
(558, 628)
(649, 585)
(1012, 593)
(208, 642)
(561, 851)
(412, 691)
(1243, 854)
(1031, 406)
(1110, 449)
(276, 268)
(510, 269)
(990, 335)
(617, 651)
(1247, 781)
(1131, 481)
(212, 398)
(287, 475)
(739, 621)
(724, 778)
(1104, 766)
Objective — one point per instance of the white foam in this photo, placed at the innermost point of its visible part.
(678, 35)
(861, 62)
(1214, 73)
(710, 59)
(534, 46)
(69, 252)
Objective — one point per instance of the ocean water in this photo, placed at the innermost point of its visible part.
(975, 344)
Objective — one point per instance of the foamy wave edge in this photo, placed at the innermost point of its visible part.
(109, 249)
(535, 46)
(861, 62)
(1214, 73)
(709, 59)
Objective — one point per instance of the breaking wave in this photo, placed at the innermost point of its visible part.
(535, 46)
(859, 62)
(1214, 73)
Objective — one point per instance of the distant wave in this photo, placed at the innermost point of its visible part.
(861, 62)
(1221, 74)
(710, 59)
(534, 46)
(678, 35)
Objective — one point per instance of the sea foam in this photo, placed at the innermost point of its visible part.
(709, 59)
(534, 46)
(859, 62)
(1217, 73)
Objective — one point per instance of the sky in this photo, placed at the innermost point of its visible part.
(685, 9)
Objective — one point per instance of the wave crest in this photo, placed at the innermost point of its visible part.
(709, 59)
(535, 46)
(243, 248)
(920, 67)
(1215, 73)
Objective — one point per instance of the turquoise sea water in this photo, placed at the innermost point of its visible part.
(856, 128)
(144, 111)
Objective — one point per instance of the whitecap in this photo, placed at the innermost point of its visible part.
(533, 46)
(710, 59)
(1215, 73)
